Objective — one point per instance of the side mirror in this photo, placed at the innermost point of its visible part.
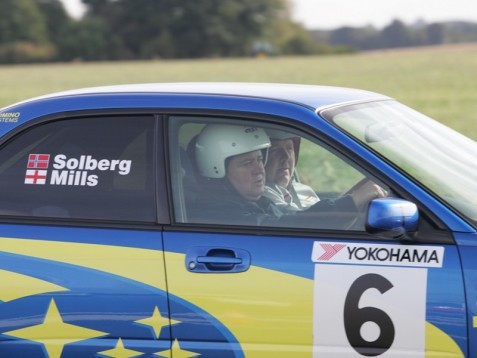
(392, 216)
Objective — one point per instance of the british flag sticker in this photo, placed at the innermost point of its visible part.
(37, 166)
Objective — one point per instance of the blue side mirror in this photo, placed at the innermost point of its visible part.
(392, 216)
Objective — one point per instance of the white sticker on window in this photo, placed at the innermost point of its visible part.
(71, 171)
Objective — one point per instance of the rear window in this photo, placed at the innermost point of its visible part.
(84, 168)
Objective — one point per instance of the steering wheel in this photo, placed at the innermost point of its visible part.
(363, 192)
(358, 186)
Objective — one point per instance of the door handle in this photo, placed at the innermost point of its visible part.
(219, 260)
(201, 259)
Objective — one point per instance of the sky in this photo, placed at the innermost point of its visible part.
(331, 14)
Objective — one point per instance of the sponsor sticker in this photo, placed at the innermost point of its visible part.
(9, 117)
(377, 254)
(38, 161)
(75, 171)
(369, 311)
(35, 176)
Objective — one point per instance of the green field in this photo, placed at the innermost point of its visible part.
(438, 81)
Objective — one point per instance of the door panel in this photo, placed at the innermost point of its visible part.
(76, 292)
(292, 302)
(468, 251)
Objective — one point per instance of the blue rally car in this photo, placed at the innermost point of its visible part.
(234, 220)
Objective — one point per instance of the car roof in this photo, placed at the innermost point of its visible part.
(311, 96)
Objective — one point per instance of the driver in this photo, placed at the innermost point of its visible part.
(286, 191)
(282, 186)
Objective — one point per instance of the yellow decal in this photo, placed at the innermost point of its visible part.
(474, 320)
(14, 285)
(262, 308)
(439, 344)
(176, 352)
(157, 322)
(141, 265)
(53, 333)
(120, 352)
(266, 309)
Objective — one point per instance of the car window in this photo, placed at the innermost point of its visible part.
(232, 172)
(84, 168)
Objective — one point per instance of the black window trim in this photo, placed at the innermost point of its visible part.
(165, 214)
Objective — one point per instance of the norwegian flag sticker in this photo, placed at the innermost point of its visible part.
(38, 161)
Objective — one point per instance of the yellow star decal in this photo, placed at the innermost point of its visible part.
(120, 352)
(156, 322)
(14, 285)
(177, 352)
(53, 333)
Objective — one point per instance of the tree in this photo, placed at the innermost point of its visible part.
(21, 21)
(58, 25)
(290, 38)
(89, 40)
(23, 32)
(355, 38)
(186, 28)
(55, 17)
(396, 34)
(435, 34)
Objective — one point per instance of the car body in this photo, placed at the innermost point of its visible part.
(101, 256)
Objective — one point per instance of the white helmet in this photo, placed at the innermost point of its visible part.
(217, 142)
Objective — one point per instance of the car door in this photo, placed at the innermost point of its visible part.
(467, 250)
(81, 262)
(316, 284)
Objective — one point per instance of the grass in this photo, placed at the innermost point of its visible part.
(438, 81)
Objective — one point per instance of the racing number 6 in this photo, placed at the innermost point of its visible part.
(355, 317)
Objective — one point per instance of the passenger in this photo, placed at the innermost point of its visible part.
(231, 159)
(282, 186)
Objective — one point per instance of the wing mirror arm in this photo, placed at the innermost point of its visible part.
(392, 217)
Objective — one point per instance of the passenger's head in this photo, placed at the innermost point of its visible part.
(236, 153)
(282, 157)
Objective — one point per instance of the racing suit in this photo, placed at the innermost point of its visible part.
(296, 197)
(220, 203)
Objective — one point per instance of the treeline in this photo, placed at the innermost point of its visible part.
(42, 31)
(397, 34)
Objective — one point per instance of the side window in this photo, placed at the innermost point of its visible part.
(234, 172)
(84, 168)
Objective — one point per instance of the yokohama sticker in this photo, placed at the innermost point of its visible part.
(377, 254)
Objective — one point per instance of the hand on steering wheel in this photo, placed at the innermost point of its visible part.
(364, 191)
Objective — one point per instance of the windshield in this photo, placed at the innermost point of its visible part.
(441, 159)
